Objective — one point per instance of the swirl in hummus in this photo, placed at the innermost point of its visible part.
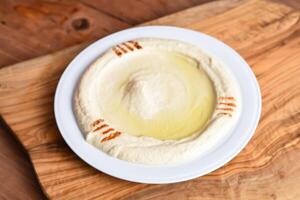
(156, 101)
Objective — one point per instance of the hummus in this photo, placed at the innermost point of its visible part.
(155, 101)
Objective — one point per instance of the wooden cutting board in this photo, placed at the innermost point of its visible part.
(265, 33)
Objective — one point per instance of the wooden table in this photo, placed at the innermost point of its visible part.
(32, 28)
(40, 27)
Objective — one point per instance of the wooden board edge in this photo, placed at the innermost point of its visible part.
(218, 7)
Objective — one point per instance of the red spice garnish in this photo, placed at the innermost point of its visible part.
(223, 113)
(108, 130)
(100, 127)
(119, 53)
(122, 49)
(227, 104)
(135, 44)
(111, 136)
(97, 122)
(226, 98)
(128, 47)
(229, 109)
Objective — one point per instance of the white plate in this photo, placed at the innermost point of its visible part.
(241, 134)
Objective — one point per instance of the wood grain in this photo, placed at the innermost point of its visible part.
(12, 155)
(29, 28)
(15, 167)
(268, 168)
(204, 11)
(142, 10)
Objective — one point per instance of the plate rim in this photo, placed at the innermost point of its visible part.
(123, 175)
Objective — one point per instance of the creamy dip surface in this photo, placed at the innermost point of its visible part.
(156, 101)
